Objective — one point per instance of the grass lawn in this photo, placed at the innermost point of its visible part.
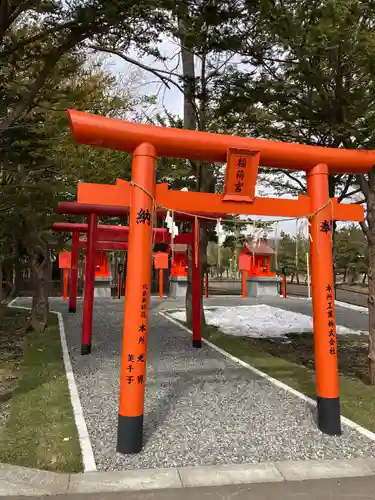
(292, 362)
(38, 429)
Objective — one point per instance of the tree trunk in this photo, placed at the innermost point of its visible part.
(371, 313)
(1, 280)
(345, 275)
(332, 192)
(189, 289)
(190, 123)
(371, 280)
(203, 264)
(39, 306)
(41, 274)
(17, 277)
(368, 189)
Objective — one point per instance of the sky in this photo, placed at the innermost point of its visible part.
(144, 83)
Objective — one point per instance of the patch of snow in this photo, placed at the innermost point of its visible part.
(259, 321)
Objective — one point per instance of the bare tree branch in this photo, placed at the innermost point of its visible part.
(300, 184)
(346, 187)
(216, 71)
(287, 187)
(159, 73)
(348, 195)
(297, 181)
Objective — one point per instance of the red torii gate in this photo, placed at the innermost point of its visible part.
(101, 244)
(162, 235)
(243, 156)
(105, 237)
(109, 237)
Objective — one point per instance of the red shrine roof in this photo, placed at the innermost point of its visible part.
(259, 248)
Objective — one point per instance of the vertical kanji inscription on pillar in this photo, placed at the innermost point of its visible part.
(138, 278)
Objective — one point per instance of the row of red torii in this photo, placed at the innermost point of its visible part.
(102, 237)
(142, 195)
(252, 263)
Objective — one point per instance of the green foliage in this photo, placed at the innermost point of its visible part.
(313, 82)
(351, 252)
(291, 255)
(40, 164)
(219, 258)
(34, 36)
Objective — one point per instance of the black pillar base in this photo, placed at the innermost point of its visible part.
(197, 343)
(329, 420)
(72, 309)
(85, 349)
(129, 434)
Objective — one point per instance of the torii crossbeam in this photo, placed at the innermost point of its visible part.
(243, 157)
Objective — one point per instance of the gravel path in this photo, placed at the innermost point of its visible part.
(201, 408)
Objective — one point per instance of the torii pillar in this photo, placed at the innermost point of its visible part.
(323, 301)
(74, 273)
(137, 300)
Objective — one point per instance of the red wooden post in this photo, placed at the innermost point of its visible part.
(283, 284)
(161, 283)
(66, 281)
(120, 271)
(161, 263)
(243, 283)
(196, 286)
(123, 280)
(244, 265)
(88, 301)
(137, 301)
(65, 259)
(74, 273)
(323, 302)
(118, 284)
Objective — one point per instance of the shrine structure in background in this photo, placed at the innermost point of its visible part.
(243, 156)
(255, 264)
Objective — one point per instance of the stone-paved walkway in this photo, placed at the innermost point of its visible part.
(201, 408)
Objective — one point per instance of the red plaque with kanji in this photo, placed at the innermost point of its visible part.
(64, 260)
(241, 175)
(161, 260)
(244, 262)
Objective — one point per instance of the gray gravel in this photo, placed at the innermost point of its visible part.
(201, 408)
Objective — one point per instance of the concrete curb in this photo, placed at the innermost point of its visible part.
(15, 480)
